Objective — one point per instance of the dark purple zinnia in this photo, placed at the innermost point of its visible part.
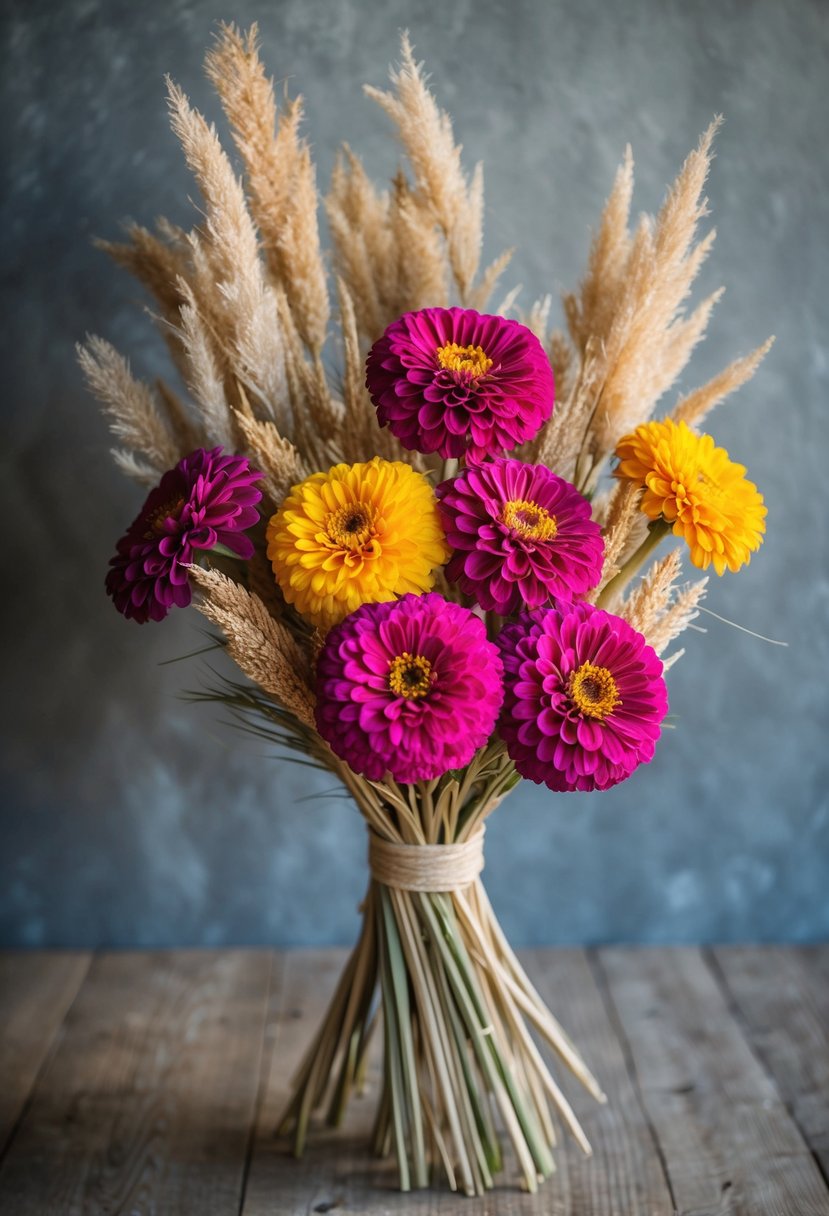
(520, 535)
(411, 687)
(452, 381)
(583, 697)
(208, 499)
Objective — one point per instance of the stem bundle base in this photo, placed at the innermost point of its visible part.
(463, 1075)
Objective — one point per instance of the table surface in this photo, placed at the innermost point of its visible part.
(151, 1082)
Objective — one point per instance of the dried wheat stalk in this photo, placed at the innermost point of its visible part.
(262, 647)
(135, 418)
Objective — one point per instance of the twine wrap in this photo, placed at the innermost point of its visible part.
(426, 867)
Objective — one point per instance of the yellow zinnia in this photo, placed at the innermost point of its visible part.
(693, 485)
(361, 533)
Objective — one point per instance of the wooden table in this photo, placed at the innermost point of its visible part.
(150, 1083)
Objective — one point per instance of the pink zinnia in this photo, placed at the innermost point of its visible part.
(520, 535)
(411, 687)
(208, 499)
(584, 697)
(451, 381)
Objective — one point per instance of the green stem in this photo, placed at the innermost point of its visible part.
(657, 532)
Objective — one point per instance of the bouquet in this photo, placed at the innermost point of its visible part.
(425, 529)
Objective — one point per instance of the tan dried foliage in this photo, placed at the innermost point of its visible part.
(441, 188)
(280, 175)
(187, 430)
(262, 647)
(629, 325)
(490, 278)
(623, 527)
(158, 262)
(676, 618)
(696, 405)
(364, 254)
(646, 603)
(591, 311)
(660, 610)
(134, 417)
(228, 271)
(560, 442)
(440, 184)
(278, 460)
(422, 279)
(203, 374)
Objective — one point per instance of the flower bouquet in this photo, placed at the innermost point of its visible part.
(420, 530)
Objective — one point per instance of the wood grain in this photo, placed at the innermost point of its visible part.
(781, 994)
(624, 1177)
(148, 1101)
(728, 1143)
(159, 1093)
(36, 989)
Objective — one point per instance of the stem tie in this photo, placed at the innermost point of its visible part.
(426, 867)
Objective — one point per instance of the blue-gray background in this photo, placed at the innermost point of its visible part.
(129, 818)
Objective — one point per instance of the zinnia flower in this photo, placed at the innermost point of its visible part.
(449, 380)
(584, 697)
(412, 688)
(694, 486)
(354, 535)
(519, 535)
(208, 499)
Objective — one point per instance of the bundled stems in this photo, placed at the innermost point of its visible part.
(462, 1067)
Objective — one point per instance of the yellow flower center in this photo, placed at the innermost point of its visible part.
(351, 526)
(529, 519)
(155, 523)
(410, 675)
(593, 691)
(472, 360)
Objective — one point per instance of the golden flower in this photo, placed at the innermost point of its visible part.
(693, 485)
(358, 534)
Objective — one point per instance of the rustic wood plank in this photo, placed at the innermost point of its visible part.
(781, 994)
(624, 1177)
(148, 1102)
(36, 989)
(728, 1143)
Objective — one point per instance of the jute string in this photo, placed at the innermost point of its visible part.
(426, 867)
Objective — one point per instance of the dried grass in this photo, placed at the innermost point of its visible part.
(693, 408)
(134, 417)
(280, 176)
(623, 527)
(243, 303)
(228, 270)
(262, 647)
(630, 334)
(649, 600)
(677, 618)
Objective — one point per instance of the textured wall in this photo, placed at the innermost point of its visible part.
(129, 818)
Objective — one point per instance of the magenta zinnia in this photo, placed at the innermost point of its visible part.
(452, 381)
(584, 697)
(519, 535)
(208, 499)
(412, 688)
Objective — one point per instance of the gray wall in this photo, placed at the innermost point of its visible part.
(129, 818)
